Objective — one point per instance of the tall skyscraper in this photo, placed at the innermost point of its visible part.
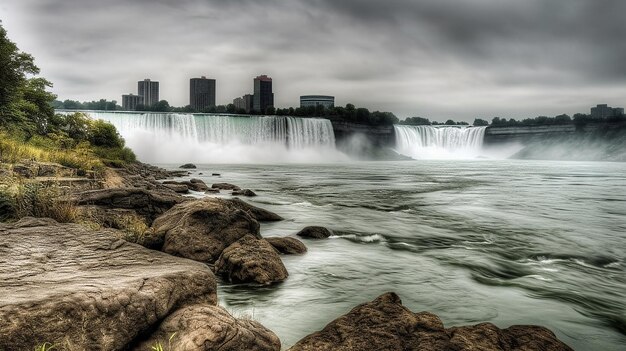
(149, 90)
(201, 93)
(263, 96)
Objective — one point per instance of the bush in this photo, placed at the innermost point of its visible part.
(103, 133)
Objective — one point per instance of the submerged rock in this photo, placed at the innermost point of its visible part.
(287, 245)
(206, 327)
(225, 186)
(315, 232)
(384, 324)
(88, 290)
(243, 192)
(251, 260)
(201, 229)
(188, 166)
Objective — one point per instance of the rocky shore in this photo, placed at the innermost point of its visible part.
(86, 286)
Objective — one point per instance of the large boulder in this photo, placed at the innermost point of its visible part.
(206, 327)
(201, 229)
(251, 260)
(287, 245)
(88, 290)
(315, 232)
(147, 203)
(384, 324)
(188, 166)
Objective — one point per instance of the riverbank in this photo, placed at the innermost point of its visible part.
(138, 192)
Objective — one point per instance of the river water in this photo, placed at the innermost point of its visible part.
(506, 241)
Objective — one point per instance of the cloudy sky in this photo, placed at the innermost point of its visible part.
(434, 58)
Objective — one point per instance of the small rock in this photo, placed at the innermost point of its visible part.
(251, 260)
(212, 191)
(287, 245)
(215, 174)
(243, 192)
(188, 166)
(315, 232)
(225, 186)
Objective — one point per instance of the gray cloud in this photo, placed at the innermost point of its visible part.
(435, 58)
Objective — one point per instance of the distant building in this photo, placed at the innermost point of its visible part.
(130, 102)
(263, 96)
(317, 100)
(244, 103)
(149, 90)
(201, 93)
(604, 111)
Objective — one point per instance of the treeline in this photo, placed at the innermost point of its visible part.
(421, 121)
(102, 104)
(349, 113)
(564, 119)
(30, 128)
(578, 119)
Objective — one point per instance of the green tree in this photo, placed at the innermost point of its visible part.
(450, 122)
(480, 122)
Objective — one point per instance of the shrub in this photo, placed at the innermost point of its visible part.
(104, 134)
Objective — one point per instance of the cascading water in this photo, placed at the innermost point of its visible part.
(180, 137)
(427, 142)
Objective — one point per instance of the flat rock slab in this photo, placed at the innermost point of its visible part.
(146, 203)
(385, 325)
(88, 290)
(205, 327)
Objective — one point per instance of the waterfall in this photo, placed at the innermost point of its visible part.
(183, 137)
(422, 142)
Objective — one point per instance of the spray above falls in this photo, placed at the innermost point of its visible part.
(181, 137)
(428, 142)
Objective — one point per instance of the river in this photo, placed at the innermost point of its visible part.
(503, 241)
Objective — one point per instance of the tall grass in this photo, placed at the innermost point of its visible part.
(47, 150)
(18, 200)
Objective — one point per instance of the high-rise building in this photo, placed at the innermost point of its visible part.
(149, 90)
(263, 96)
(244, 103)
(201, 93)
(130, 102)
(317, 100)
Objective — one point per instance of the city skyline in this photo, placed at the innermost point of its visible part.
(413, 58)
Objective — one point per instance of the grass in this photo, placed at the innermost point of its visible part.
(19, 199)
(48, 150)
(159, 346)
(46, 346)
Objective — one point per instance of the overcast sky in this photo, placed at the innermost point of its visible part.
(432, 58)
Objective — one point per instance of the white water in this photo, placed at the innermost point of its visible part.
(427, 142)
(202, 138)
